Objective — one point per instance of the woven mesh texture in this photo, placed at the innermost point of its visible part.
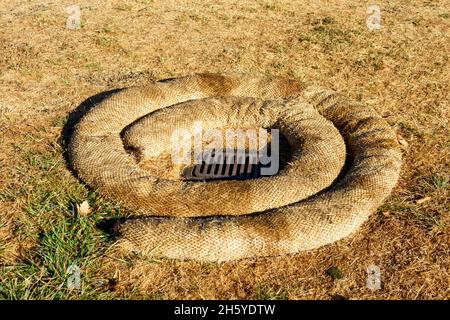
(310, 203)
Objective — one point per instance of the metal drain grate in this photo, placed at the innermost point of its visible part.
(224, 166)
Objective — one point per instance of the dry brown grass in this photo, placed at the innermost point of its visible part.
(46, 71)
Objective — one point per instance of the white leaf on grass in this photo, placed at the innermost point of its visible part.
(84, 209)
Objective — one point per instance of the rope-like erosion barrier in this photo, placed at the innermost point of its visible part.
(122, 147)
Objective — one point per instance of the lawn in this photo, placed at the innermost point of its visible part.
(48, 70)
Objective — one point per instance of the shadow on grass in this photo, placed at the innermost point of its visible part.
(74, 118)
(109, 226)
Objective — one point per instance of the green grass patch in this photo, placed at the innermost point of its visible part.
(61, 237)
(335, 273)
(64, 242)
(266, 292)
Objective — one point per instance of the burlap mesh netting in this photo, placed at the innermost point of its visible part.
(122, 148)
